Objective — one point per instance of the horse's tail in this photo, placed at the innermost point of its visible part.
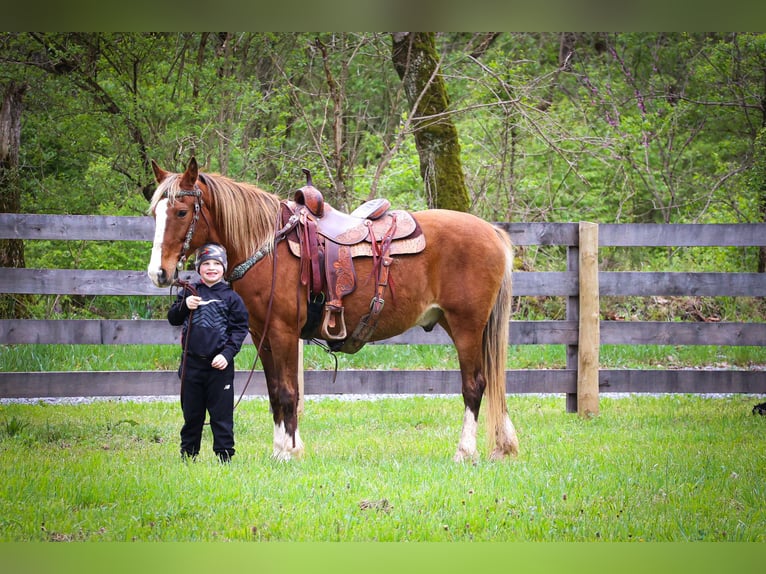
(500, 431)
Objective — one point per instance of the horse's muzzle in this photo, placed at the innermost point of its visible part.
(160, 277)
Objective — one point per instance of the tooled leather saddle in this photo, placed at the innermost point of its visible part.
(327, 241)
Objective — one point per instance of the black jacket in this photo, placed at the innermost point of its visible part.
(219, 327)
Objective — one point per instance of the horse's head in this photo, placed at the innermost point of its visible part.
(177, 207)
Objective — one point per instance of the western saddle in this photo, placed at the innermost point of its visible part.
(327, 241)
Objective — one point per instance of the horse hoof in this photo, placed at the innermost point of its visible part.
(511, 451)
(281, 456)
(463, 456)
(286, 455)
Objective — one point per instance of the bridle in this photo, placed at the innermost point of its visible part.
(196, 193)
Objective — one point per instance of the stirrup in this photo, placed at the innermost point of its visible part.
(330, 318)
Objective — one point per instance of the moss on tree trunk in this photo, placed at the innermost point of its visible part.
(415, 59)
(11, 250)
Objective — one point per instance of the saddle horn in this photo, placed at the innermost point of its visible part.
(310, 196)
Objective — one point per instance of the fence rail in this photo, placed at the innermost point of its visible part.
(566, 332)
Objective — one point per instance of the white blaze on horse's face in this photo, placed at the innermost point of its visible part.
(155, 271)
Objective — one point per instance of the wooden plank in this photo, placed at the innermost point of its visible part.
(110, 228)
(159, 383)
(681, 235)
(432, 382)
(108, 384)
(118, 282)
(120, 228)
(629, 283)
(674, 333)
(80, 282)
(76, 227)
(87, 332)
(682, 381)
(550, 283)
(588, 343)
(520, 333)
(541, 233)
(47, 332)
(542, 333)
(141, 228)
(160, 332)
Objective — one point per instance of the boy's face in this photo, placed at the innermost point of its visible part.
(211, 271)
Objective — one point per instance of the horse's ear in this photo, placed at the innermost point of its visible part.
(159, 173)
(189, 177)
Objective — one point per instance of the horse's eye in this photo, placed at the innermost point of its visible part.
(182, 213)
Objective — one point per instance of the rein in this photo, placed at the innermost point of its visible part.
(186, 286)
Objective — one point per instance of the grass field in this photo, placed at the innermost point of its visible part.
(668, 468)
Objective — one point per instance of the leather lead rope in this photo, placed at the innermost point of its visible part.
(186, 286)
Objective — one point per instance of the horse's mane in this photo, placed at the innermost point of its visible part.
(244, 214)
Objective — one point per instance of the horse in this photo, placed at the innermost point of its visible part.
(460, 279)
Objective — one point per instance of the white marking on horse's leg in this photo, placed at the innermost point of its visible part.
(466, 448)
(507, 441)
(299, 448)
(155, 263)
(283, 444)
(279, 442)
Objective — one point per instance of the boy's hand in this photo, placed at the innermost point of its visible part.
(192, 302)
(219, 362)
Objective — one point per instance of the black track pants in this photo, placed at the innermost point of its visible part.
(207, 389)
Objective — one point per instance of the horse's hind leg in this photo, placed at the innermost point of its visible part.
(473, 385)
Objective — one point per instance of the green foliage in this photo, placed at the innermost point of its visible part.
(627, 127)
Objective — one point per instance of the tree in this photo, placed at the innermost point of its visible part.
(11, 250)
(417, 63)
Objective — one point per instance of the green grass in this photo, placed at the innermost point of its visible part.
(435, 357)
(671, 468)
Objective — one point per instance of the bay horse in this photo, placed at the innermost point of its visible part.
(460, 280)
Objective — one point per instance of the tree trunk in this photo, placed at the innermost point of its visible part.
(416, 61)
(759, 181)
(11, 250)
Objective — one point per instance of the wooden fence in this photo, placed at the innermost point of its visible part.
(580, 332)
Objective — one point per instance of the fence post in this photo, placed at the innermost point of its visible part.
(589, 336)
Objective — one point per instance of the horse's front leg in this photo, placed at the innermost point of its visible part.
(280, 365)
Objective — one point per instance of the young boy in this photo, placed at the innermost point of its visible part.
(211, 339)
